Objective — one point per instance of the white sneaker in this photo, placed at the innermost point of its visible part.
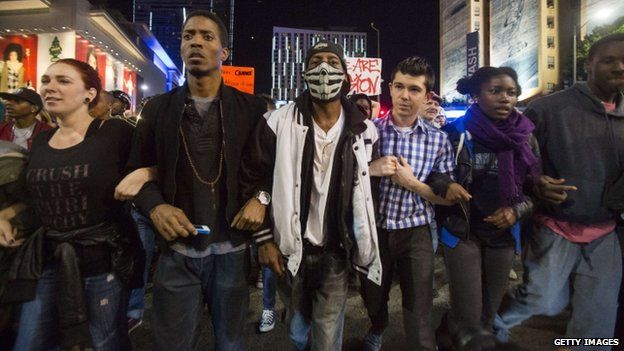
(267, 321)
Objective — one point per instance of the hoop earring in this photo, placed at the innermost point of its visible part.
(87, 101)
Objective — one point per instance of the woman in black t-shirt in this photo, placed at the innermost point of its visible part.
(71, 176)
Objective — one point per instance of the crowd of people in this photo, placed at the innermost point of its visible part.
(324, 190)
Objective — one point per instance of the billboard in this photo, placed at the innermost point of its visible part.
(130, 85)
(96, 58)
(515, 38)
(18, 63)
(52, 47)
(241, 78)
(365, 74)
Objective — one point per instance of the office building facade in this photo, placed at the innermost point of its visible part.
(289, 49)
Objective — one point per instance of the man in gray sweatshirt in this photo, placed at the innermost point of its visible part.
(573, 254)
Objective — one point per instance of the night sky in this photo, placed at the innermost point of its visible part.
(408, 27)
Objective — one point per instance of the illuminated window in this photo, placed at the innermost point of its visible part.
(550, 87)
(550, 22)
(550, 42)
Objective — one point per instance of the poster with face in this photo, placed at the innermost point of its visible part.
(118, 75)
(18, 63)
(89, 53)
(109, 82)
(129, 85)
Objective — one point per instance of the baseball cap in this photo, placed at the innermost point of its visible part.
(326, 46)
(118, 94)
(24, 94)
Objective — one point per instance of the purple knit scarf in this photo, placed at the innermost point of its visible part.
(509, 138)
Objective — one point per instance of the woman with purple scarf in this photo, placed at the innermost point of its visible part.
(497, 162)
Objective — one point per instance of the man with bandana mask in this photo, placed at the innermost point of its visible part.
(314, 155)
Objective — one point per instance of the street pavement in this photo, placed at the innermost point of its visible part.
(535, 334)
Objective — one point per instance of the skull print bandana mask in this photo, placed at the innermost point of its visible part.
(324, 81)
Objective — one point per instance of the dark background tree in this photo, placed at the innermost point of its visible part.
(582, 48)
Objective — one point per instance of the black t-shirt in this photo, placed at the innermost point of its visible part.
(73, 188)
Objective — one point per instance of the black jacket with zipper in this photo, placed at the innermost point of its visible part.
(157, 143)
(456, 218)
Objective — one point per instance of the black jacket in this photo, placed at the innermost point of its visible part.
(157, 143)
(456, 218)
(34, 254)
(583, 144)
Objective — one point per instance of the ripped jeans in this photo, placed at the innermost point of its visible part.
(106, 303)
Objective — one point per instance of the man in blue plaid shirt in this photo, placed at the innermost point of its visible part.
(410, 150)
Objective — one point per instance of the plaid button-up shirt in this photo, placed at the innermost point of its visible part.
(427, 149)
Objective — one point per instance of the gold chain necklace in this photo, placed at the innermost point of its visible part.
(190, 161)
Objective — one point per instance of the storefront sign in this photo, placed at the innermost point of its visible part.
(472, 53)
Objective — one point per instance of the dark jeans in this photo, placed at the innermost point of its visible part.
(408, 252)
(106, 304)
(183, 285)
(478, 277)
(315, 300)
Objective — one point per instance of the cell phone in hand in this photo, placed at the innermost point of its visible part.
(202, 229)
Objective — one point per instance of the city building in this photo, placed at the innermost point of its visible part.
(532, 36)
(164, 18)
(290, 46)
(42, 32)
(459, 18)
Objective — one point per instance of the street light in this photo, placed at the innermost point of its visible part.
(376, 30)
(601, 14)
(378, 50)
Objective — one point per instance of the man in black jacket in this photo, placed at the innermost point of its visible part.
(195, 136)
(573, 255)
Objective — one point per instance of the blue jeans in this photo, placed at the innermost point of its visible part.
(106, 305)
(315, 301)
(268, 288)
(136, 303)
(561, 272)
(268, 284)
(183, 285)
